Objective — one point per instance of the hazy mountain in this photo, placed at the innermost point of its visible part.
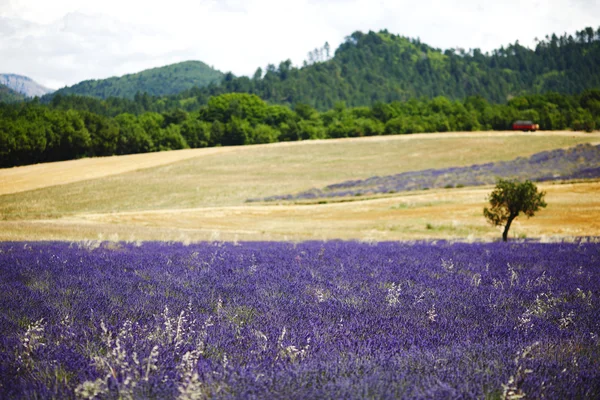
(24, 85)
(7, 95)
(167, 80)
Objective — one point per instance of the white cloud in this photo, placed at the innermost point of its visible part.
(65, 41)
(78, 47)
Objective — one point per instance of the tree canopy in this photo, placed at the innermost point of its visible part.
(374, 67)
(511, 198)
(73, 126)
(167, 80)
(374, 84)
(383, 67)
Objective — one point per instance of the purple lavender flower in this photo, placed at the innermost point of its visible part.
(309, 320)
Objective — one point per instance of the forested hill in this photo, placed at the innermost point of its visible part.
(7, 95)
(373, 67)
(167, 80)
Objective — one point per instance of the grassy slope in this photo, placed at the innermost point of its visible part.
(204, 194)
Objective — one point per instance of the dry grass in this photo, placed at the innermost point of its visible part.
(229, 176)
(200, 194)
(573, 210)
(30, 177)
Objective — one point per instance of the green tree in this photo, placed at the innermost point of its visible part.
(305, 111)
(510, 198)
(217, 132)
(177, 117)
(237, 132)
(264, 134)
(104, 133)
(67, 136)
(133, 138)
(311, 130)
(196, 133)
(276, 115)
(171, 139)
(151, 122)
(225, 107)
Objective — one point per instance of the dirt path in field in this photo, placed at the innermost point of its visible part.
(20, 179)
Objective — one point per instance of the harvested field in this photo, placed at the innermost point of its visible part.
(573, 210)
(200, 194)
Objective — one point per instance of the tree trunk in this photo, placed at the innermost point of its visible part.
(506, 228)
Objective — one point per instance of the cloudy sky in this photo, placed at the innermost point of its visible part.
(62, 42)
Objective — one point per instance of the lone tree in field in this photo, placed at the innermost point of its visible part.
(510, 198)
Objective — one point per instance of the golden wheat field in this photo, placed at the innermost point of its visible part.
(200, 194)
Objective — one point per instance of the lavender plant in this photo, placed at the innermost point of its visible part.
(580, 162)
(306, 320)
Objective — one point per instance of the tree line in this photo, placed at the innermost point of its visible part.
(32, 132)
(375, 67)
(383, 67)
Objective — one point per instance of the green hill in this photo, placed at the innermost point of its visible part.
(370, 68)
(383, 67)
(7, 95)
(167, 80)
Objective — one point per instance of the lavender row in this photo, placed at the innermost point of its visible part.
(309, 320)
(580, 162)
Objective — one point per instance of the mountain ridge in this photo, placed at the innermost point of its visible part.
(7, 95)
(24, 85)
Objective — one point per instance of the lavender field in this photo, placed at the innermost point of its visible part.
(309, 320)
(580, 162)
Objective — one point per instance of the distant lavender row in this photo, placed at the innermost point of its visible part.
(579, 162)
(312, 320)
